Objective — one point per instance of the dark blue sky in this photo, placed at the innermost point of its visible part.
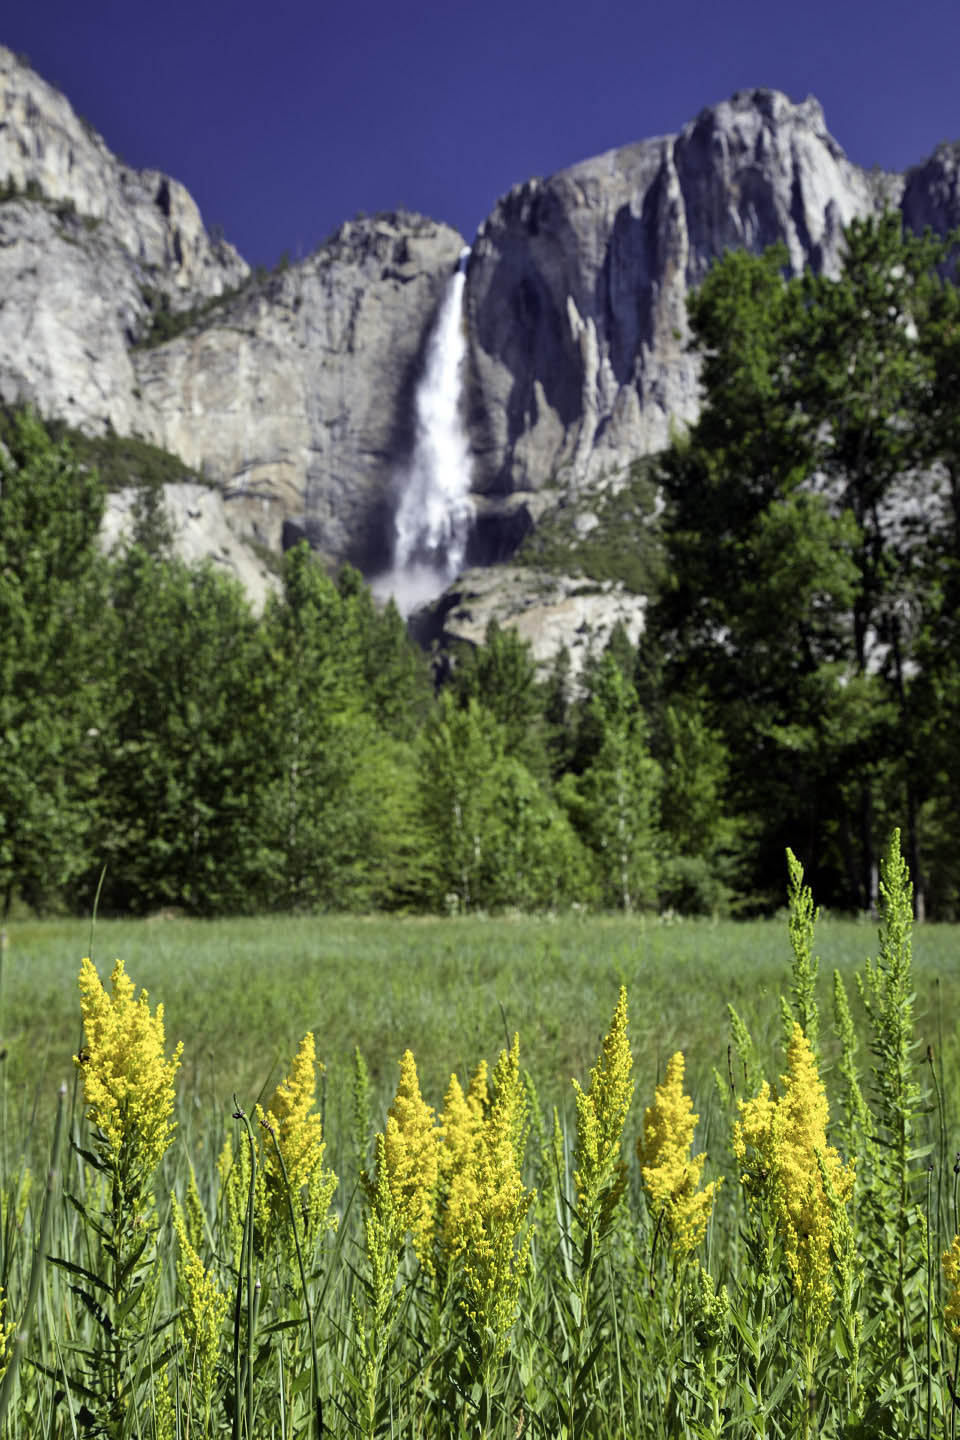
(286, 118)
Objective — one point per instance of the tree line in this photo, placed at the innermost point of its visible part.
(158, 734)
(797, 683)
(812, 534)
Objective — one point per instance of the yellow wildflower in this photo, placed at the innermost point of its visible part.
(299, 1137)
(411, 1153)
(783, 1144)
(671, 1174)
(5, 1332)
(601, 1174)
(461, 1121)
(460, 1129)
(951, 1270)
(202, 1315)
(478, 1094)
(485, 1222)
(164, 1416)
(127, 1080)
(194, 1214)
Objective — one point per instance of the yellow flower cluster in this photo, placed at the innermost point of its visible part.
(951, 1270)
(601, 1174)
(298, 1131)
(485, 1226)
(412, 1157)
(5, 1332)
(127, 1079)
(671, 1174)
(461, 1130)
(783, 1144)
(203, 1312)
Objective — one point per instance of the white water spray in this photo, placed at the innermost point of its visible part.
(435, 511)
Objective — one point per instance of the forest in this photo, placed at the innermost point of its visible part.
(798, 682)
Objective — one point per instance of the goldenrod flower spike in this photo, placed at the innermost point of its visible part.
(202, 1315)
(485, 1222)
(784, 1145)
(412, 1154)
(127, 1079)
(671, 1174)
(299, 1134)
(460, 1122)
(600, 1176)
(951, 1270)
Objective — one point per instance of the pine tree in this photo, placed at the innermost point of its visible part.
(54, 663)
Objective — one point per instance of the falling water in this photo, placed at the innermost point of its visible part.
(435, 512)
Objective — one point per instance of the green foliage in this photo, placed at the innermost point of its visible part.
(623, 545)
(804, 552)
(802, 922)
(495, 839)
(614, 802)
(610, 1332)
(54, 642)
(179, 821)
(337, 815)
(120, 460)
(501, 676)
(696, 835)
(166, 323)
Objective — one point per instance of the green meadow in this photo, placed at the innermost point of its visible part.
(539, 1285)
(241, 993)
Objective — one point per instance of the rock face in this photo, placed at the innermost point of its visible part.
(199, 531)
(293, 393)
(87, 248)
(931, 195)
(577, 283)
(297, 396)
(548, 611)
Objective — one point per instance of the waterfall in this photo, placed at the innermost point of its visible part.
(435, 512)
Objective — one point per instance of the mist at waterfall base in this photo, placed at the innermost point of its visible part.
(434, 511)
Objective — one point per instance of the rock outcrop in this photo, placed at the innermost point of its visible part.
(577, 283)
(89, 248)
(550, 612)
(199, 532)
(293, 393)
(931, 193)
(297, 396)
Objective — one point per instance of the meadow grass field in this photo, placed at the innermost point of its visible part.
(241, 993)
(509, 1255)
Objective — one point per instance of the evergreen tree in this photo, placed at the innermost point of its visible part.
(398, 690)
(798, 573)
(181, 789)
(338, 817)
(696, 836)
(54, 659)
(502, 676)
(495, 839)
(614, 803)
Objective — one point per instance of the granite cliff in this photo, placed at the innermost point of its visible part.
(292, 393)
(578, 283)
(296, 395)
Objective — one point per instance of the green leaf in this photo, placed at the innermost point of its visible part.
(73, 1269)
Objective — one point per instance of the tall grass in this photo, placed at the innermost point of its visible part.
(599, 1322)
